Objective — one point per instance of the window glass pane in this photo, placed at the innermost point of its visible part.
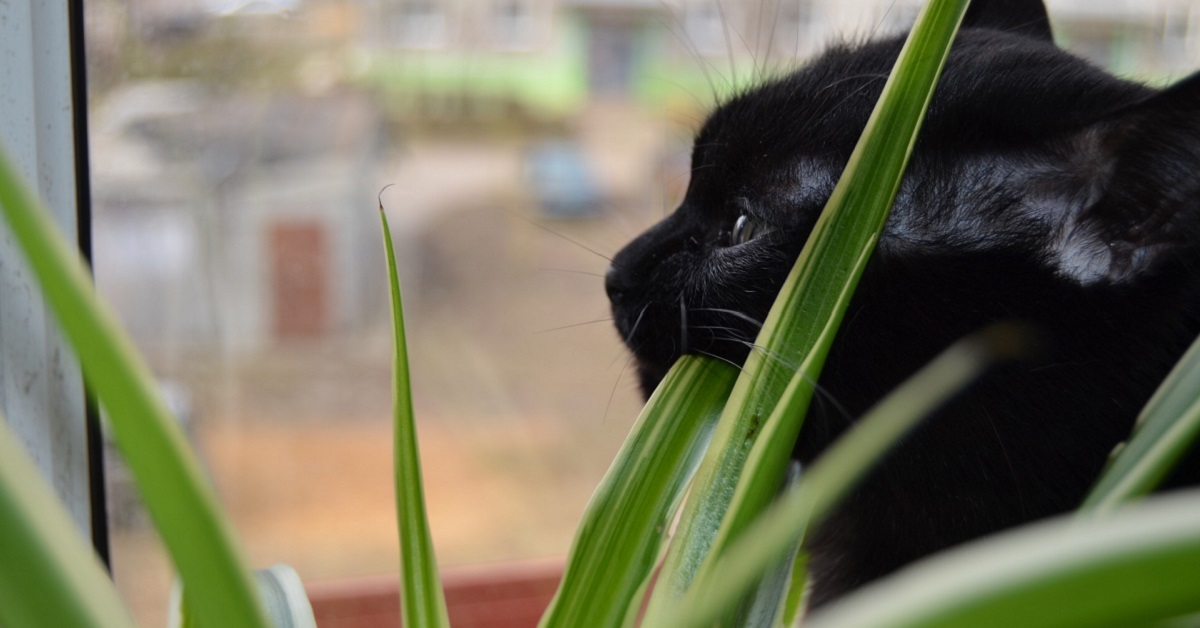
(237, 151)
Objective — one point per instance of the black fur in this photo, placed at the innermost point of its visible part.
(1041, 189)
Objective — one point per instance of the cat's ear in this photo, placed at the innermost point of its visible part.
(1141, 182)
(1027, 17)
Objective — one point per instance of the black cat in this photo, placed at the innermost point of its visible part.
(1041, 189)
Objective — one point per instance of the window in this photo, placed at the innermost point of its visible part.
(420, 24)
(41, 390)
(514, 24)
(705, 24)
(237, 149)
(792, 25)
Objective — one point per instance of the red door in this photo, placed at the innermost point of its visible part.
(299, 279)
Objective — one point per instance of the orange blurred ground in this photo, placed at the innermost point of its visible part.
(522, 390)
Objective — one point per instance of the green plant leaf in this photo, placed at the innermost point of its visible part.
(792, 608)
(1137, 566)
(779, 585)
(721, 580)
(422, 601)
(50, 576)
(168, 476)
(628, 518)
(743, 468)
(1165, 431)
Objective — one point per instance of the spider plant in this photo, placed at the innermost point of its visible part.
(717, 435)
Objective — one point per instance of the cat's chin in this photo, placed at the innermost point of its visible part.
(649, 376)
(652, 368)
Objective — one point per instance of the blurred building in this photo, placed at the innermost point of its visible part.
(552, 55)
(235, 221)
(229, 189)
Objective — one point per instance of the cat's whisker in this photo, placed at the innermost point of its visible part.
(1004, 451)
(633, 351)
(822, 396)
(719, 327)
(564, 237)
(600, 320)
(613, 393)
(680, 31)
(735, 313)
(728, 44)
(728, 334)
(770, 38)
(882, 20)
(572, 271)
(826, 407)
(638, 321)
(818, 390)
(704, 167)
(835, 106)
(683, 326)
(853, 77)
(774, 28)
(717, 357)
(771, 355)
(628, 339)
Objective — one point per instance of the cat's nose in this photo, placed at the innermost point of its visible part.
(613, 285)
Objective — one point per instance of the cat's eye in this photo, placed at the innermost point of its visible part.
(746, 229)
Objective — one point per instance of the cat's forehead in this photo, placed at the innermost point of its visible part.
(997, 89)
(813, 110)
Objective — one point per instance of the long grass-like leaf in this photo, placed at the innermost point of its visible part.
(50, 576)
(724, 577)
(792, 608)
(1140, 565)
(1166, 429)
(422, 601)
(168, 476)
(801, 325)
(627, 520)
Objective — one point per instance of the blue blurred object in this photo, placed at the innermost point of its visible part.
(558, 173)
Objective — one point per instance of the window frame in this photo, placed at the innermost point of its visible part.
(43, 127)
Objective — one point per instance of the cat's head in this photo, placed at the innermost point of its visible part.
(1034, 171)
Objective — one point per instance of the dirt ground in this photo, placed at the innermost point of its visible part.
(522, 391)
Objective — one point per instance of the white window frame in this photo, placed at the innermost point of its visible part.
(43, 131)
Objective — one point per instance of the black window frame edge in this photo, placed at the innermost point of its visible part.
(83, 215)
